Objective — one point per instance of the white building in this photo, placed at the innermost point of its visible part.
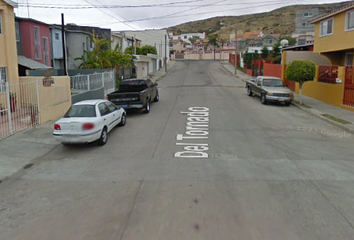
(185, 37)
(158, 38)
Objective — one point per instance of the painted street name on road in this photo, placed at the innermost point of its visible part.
(197, 128)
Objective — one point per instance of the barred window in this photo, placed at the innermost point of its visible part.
(3, 79)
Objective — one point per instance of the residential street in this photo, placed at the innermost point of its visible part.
(272, 172)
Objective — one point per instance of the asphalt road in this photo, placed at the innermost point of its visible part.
(272, 172)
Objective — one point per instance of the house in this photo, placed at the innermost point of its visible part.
(8, 56)
(77, 42)
(124, 41)
(158, 38)
(178, 45)
(57, 47)
(334, 34)
(186, 36)
(333, 55)
(33, 45)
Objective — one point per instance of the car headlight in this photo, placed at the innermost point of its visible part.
(269, 94)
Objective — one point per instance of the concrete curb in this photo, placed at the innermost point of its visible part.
(318, 114)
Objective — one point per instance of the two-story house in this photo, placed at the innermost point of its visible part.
(33, 44)
(334, 34)
(8, 55)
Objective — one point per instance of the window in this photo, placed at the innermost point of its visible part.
(326, 27)
(111, 107)
(269, 41)
(308, 14)
(17, 28)
(37, 44)
(350, 21)
(185, 37)
(349, 59)
(3, 79)
(104, 110)
(0, 23)
(45, 51)
(56, 36)
(179, 37)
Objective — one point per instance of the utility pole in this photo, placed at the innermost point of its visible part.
(235, 51)
(165, 53)
(63, 42)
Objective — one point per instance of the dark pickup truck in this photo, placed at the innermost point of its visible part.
(135, 94)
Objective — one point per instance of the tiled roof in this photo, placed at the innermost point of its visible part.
(332, 13)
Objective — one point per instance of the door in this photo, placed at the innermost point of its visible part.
(106, 118)
(114, 114)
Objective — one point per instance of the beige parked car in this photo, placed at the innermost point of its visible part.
(269, 89)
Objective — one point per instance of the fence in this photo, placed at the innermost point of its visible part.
(328, 74)
(84, 83)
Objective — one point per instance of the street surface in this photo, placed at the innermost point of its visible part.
(271, 172)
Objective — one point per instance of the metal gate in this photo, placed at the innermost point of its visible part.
(19, 109)
(348, 97)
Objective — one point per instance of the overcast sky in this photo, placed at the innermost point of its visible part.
(142, 14)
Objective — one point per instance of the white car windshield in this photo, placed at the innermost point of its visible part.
(81, 111)
(272, 83)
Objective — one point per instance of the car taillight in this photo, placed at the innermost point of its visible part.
(88, 126)
(57, 127)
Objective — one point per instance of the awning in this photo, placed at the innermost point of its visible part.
(31, 64)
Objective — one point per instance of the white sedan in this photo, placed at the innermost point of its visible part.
(88, 121)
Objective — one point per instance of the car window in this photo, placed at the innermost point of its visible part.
(81, 111)
(104, 110)
(111, 107)
(272, 83)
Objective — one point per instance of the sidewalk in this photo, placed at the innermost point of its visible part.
(22, 149)
(334, 115)
(156, 76)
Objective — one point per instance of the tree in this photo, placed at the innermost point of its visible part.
(103, 57)
(193, 39)
(300, 71)
(213, 40)
(276, 50)
(248, 58)
(265, 52)
(148, 49)
(276, 54)
(292, 41)
(133, 50)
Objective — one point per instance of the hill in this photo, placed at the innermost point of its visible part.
(281, 20)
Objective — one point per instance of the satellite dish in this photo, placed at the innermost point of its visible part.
(284, 42)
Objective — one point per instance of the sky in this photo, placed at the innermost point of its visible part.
(121, 15)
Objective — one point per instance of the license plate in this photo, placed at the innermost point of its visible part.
(281, 100)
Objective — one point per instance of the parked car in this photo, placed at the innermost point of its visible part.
(88, 121)
(269, 89)
(135, 94)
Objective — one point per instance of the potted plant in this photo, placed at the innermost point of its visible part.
(13, 101)
(33, 110)
(48, 80)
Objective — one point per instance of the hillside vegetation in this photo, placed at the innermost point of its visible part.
(281, 20)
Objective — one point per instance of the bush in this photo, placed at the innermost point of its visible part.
(301, 71)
